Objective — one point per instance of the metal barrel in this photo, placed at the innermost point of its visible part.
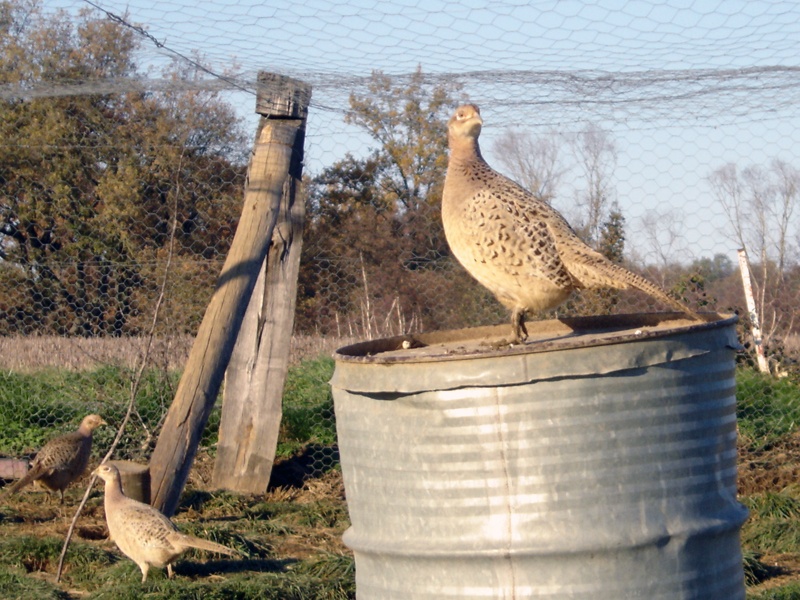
(598, 461)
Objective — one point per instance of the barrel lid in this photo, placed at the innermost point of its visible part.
(575, 346)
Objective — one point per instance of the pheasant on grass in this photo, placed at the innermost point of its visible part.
(515, 244)
(63, 459)
(142, 533)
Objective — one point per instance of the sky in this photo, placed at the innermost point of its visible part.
(683, 86)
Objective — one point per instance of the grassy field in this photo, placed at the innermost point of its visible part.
(290, 536)
(769, 466)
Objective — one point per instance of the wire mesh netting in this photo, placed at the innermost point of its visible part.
(665, 132)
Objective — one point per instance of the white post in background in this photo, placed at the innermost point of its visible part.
(744, 267)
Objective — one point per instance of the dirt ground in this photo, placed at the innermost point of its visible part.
(771, 469)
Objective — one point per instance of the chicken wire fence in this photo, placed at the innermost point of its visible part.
(666, 133)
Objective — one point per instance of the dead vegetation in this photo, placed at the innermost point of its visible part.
(32, 353)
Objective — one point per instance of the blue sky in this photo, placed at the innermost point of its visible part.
(636, 68)
(353, 37)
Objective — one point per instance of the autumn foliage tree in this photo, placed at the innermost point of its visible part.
(93, 185)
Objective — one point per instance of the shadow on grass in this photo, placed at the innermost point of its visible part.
(188, 568)
(756, 571)
(314, 460)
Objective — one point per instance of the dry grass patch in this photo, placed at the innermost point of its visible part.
(33, 353)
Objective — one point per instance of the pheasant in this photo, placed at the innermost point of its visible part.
(63, 459)
(141, 532)
(515, 244)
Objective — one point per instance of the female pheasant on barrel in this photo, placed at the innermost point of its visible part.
(515, 244)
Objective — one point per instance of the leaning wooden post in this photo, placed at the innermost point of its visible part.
(252, 402)
(273, 163)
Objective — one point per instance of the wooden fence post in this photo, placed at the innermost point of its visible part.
(273, 166)
(252, 402)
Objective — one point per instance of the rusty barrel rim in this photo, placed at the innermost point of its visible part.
(545, 336)
(556, 348)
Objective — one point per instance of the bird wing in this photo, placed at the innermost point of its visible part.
(55, 455)
(146, 526)
(541, 227)
(61, 451)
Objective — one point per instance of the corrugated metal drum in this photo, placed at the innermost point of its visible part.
(596, 461)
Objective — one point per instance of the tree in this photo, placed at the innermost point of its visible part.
(408, 120)
(787, 190)
(759, 203)
(612, 236)
(662, 238)
(720, 266)
(533, 162)
(90, 185)
(596, 154)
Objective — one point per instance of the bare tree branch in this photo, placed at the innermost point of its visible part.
(534, 162)
(596, 154)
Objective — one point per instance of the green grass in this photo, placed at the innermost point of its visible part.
(39, 553)
(37, 405)
(20, 555)
(307, 407)
(781, 506)
(768, 411)
(15, 584)
(259, 586)
(790, 591)
(767, 408)
(258, 527)
(316, 514)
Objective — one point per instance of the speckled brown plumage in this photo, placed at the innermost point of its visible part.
(141, 532)
(62, 460)
(515, 244)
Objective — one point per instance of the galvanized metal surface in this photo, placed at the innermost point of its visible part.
(603, 470)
